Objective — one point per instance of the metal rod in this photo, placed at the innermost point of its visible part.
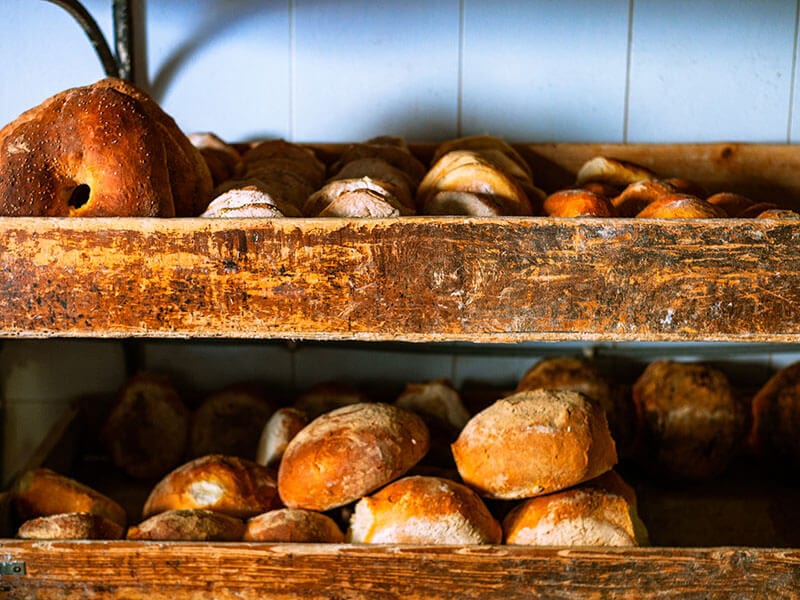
(124, 39)
(90, 27)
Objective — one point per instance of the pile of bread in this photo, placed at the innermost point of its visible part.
(536, 466)
(108, 149)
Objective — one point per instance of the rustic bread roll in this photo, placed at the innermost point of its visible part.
(326, 396)
(638, 195)
(611, 170)
(396, 181)
(282, 426)
(42, 492)
(778, 213)
(533, 443)
(250, 197)
(222, 159)
(485, 145)
(190, 525)
(230, 422)
(467, 204)
(147, 431)
(225, 484)
(690, 421)
(295, 158)
(584, 376)
(349, 452)
(577, 203)
(775, 429)
(71, 526)
(733, 204)
(600, 512)
(687, 186)
(423, 510)
(388, 150)
(357, 198)
(681, 206)
(435, 400)
(293, 525)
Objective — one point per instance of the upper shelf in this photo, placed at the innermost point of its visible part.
(426, 279)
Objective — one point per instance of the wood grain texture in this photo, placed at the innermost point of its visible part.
(243, 571)
(416, 279)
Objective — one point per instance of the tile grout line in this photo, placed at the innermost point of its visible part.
(626, 102)
(793, 75)
(460, 82)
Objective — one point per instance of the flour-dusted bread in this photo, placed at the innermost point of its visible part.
(601, 512)
(349, 452)
(775, 430)
(227, 484)
(293, 525)
(70, 526)
(190, 525)
(533, 443)
(423, 510)
(690, 421)
(41, 492)
(230, 422)
(282, 426)
(147, 432)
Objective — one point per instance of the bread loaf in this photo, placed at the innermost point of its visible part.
(42, 492)
(577, 203)
(195, 525)
(147, 431)
(326, 396)
(613, 171)
(226, 484)
(423, 510)
(690, 422)
(681, 206)
(283, 425)
(349, 452)
(71, 526)
(601, 512)
(533, 443)
(775, 429)
(293, 525)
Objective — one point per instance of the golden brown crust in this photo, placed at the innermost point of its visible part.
(637, 196)
(533, 443)
(613, 171)
(147, 431)
(71, 526)
(733, 204)
(577, 203)
(681, 206)
(230, 422)
(423, 510)
(293, 525)
(226, 484)
(775, 429)
(282, 426)
(483, 144)
(189, 526)
(42, 492)
(689, 420)
(349, 452)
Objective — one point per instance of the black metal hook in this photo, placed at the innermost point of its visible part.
(115, 65)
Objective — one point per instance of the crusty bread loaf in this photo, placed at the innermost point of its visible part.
(533, 443)
(221, 158)
(227, 484)
(293, 525)
(423, 510)
(775, 429)
(230, 422)
(349, 452)
(191, 525)
(636, 196)
(326, 396)
(681, 206)
(41, 492)
(690, 422)
(601, 512)
(583, 375)
(282, 426)
(147, 432)
(611, 170)
(70, 526)
(577, 203)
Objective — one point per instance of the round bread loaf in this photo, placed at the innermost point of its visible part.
(293, 525)
(775, 430)
(147, 431)
(195, 525)
(41, 492)
(611, 170)
(601, 512)
(583, 375)
(577, 203)
(681, 206)
(227, 484)
(283, 425)
(690, 423)
(326, 396)
(423, 510)
(349, 452)
(534, 442)
(70, 526)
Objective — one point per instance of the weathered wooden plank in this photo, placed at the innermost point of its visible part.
(415, 279)
(190, 570)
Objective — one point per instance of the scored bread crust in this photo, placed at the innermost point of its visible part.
(534, 442)
(227, 484)
(70, 526)
(41, 492)
(423, 510)
(349, 452)
(293, 525)
(190, 525)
